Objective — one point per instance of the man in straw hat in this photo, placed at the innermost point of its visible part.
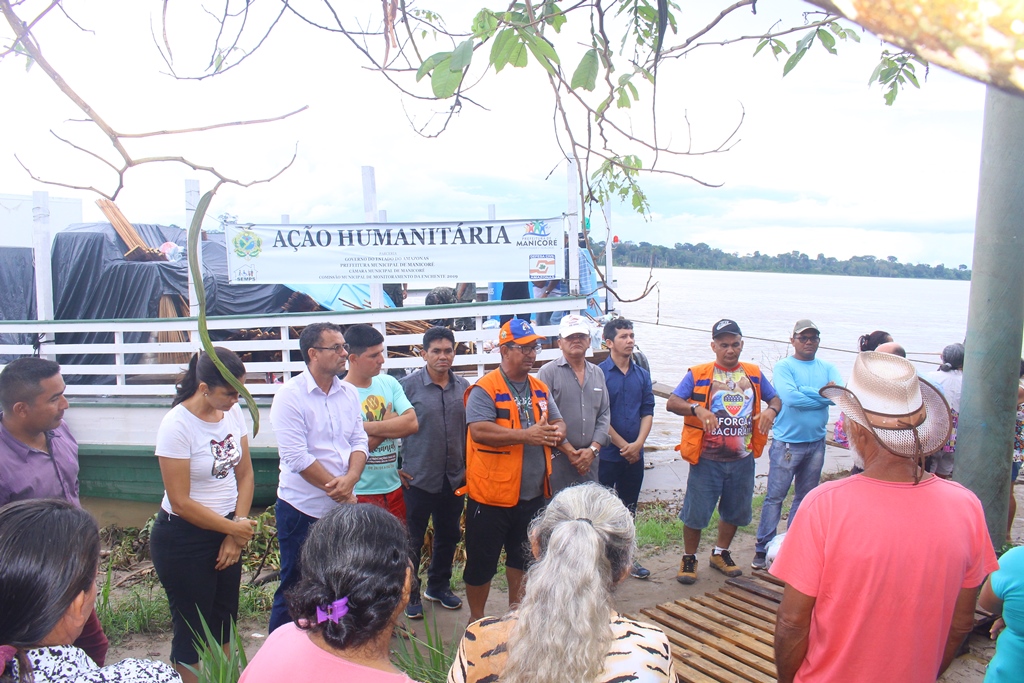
(882, 569)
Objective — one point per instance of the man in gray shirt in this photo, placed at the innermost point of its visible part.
(434, 466)
(579, 390)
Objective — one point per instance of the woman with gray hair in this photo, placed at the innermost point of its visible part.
(949, 378)
(566, 628)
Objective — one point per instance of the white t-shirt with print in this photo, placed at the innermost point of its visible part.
(214, 449)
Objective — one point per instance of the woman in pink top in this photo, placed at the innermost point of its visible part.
(356, 579)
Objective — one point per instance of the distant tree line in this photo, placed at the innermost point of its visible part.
(702, 257)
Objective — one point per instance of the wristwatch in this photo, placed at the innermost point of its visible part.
(596, 449)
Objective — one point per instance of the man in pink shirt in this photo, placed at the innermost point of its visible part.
(882, 569)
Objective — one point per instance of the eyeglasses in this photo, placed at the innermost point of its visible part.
(808, 340)
(336, 348)
(527, 350)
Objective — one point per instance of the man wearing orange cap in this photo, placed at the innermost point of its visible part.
(513, 428)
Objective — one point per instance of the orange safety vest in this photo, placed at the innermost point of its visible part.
(692, 438)
(494, 473)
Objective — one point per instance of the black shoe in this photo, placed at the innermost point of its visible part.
(444, 596)
(414, 610)
(760, 561)
(638, 572)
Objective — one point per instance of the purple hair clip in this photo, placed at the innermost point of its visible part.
(334, 611)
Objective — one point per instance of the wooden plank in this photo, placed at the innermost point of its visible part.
(718, 650)
(728, 606)
(759, 629)
(732, 634)
(712, 661)
(755, 588)
(688, 674)
(768, 581)
(758, 613)
(766, 576)
(751, 599)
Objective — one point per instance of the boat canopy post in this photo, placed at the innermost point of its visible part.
(191, 202)
(42, 240)
(370, 210)
(573, 220)
(995, 317)
(609, 277)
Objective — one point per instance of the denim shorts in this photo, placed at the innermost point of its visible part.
(726, 485)
(1014, 471)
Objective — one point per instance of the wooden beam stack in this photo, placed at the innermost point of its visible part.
(137, 249)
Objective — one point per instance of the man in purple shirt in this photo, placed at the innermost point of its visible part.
(38, 455)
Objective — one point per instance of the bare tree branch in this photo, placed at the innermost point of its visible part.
(214, 126)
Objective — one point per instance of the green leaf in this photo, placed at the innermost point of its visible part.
(585, 75)
(485, 23)
(543, 47)
(827, 40)
(622, 102)
(633, 90)
(850, 33)
(602, 107)
(912, 78)
(443, 81)
(888, 73)
(462, 56)
(793, 61)
(518, 56)
(781, 45)
(835, 28)
(429, 63)
(890, 96)
(555, 18)
(501, 50)
(760, 46)
(877, 72)
(806, 41)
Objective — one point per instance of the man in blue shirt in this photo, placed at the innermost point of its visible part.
(631, 398)
(798, 437)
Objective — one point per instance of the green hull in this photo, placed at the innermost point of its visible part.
(132, 473)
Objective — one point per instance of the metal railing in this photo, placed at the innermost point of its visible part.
(132, 371)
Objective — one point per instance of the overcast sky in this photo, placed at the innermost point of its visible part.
(821, 165)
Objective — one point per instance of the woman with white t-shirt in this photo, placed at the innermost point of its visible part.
(201, 528)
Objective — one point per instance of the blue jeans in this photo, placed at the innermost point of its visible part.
(788, 462)
(292, 529)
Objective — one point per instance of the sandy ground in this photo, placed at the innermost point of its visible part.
(666, 481)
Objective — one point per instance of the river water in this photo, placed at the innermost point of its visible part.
(673, 323)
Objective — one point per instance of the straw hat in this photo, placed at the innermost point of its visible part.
(907, 415)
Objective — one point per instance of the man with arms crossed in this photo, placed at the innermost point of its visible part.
(631, 399)
(434, 465)
(38, 455)
(322, 446)
(387, 415)
(513, 428)
(798, 437)
(723, 427)
(578, 389)
(882, 569)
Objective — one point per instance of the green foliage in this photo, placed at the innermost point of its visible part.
(585, 76)
(703, 257)
(427, 660)
(215, 665)
(895, 70)
(143, 610)
(617, 178)
(825, 35)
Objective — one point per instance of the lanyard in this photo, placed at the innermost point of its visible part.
(525, 405)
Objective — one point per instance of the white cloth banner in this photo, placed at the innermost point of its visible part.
(489, 251)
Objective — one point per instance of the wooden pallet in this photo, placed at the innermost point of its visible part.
(728, 636)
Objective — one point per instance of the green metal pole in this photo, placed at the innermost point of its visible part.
(995, 318)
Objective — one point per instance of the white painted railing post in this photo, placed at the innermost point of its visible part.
(119, 357)
(370, 210)
(573, 220)
(41, 244)
(286, 354)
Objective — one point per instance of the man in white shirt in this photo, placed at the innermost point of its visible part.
(322, 446)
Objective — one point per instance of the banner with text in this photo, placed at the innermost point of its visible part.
(488, 251)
